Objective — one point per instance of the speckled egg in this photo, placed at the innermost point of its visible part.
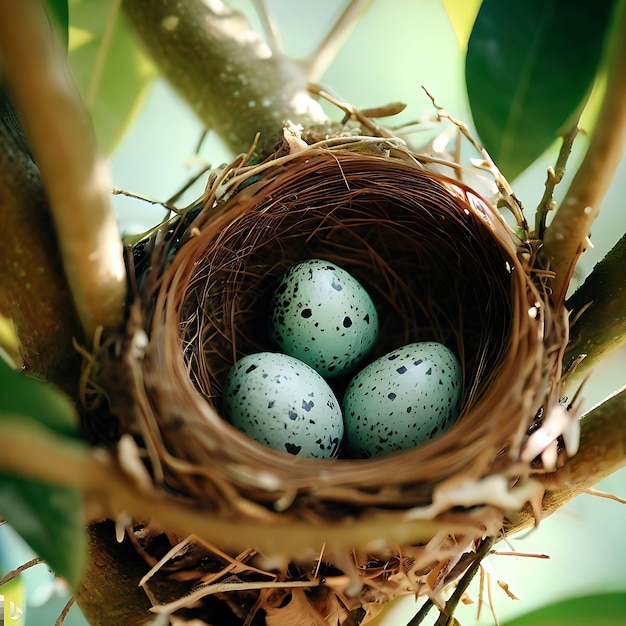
(401, 400)
(283, 404)
(323, 316)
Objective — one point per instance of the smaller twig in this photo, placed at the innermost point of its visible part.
(446, 615)
(555, 176)
(116, 191)
(317, 63)
(352, 112)
(203, 135)
(269, 26)
(603, 494)
(504, 188)
(455, 598)
(529, 555)
(66, 609)
(18, 570)
(490, 600)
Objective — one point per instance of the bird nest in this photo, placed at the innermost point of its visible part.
(334, 540)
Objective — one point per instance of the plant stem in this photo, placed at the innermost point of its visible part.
(565, 238)
(74, 175)
(555, 176)
(317, 63)
(463, 584)
(18, 570)
(598, 311)
(222, 68)
(602, 452)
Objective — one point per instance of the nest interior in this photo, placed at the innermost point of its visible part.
(440, 265)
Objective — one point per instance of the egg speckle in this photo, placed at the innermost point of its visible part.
(321, 315)
(402, 399)
(283, 404)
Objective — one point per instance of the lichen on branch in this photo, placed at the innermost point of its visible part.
(229, 76)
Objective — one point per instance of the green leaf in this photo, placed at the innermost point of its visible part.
(24, 395)
(111, 70)
(59, 14)
(530, 67)
(48, 518)
(607, 609)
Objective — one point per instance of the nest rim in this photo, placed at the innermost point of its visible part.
(283, 477)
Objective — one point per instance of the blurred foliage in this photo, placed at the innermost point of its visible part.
(607, 609)
(111, 70)
(48, 518)
(462, 15)
(59, 15)
(530, 68)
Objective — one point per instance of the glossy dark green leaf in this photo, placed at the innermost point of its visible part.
(48, 518)
(607, 609)
(59, 15)
(530, 66)
(111, 70)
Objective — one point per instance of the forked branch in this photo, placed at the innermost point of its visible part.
(232, 79)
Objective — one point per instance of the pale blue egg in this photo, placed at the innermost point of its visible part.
(323, 316)
(283, 404)
(401, 400)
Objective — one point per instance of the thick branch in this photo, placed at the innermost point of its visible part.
(598, 309)
(74, 174)
(115, 597)
(230, 77)
(602, 452)
(565, 238)
(33, 289)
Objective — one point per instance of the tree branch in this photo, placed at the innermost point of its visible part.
(33, 289)
(602, 452)
(565, 238)
(74, 174)
(115, 597)
(598, 310)
(231, 78)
